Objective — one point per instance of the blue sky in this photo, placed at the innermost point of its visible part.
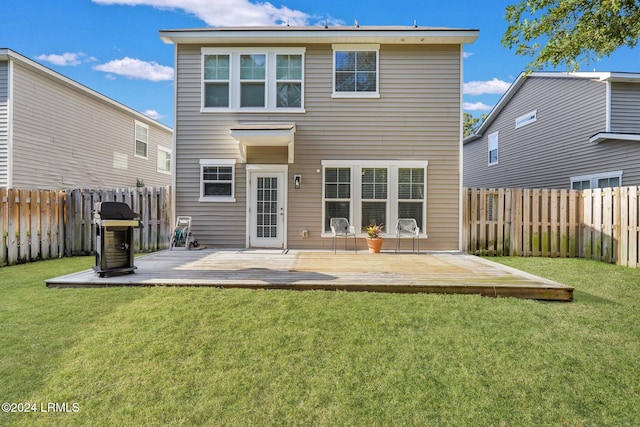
(112, 46)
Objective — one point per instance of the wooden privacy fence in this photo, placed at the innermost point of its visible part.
(43, 224)
(601, 224)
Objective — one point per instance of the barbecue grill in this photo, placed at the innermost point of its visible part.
(114, 223)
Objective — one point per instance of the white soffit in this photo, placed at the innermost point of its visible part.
(264, 135)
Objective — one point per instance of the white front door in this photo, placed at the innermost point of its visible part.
(267, 208)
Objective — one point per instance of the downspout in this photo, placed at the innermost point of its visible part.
(174, 154)
(10, 85)
(608, 107)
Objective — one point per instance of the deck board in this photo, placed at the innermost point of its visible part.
(433, 272)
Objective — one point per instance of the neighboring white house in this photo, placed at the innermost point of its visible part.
(56, 133)
(279, 129)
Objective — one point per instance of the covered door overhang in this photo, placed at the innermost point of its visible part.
(264, 135)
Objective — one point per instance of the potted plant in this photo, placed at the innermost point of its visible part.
(374, 241)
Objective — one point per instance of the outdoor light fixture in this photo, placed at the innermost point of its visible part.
(297, 179)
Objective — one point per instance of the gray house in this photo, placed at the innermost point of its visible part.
(56, 133)
(279, 129)
(559, 130)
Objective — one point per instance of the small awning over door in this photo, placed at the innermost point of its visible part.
(264, 135)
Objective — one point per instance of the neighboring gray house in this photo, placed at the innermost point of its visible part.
(278, 129)
(56, 133)
(559, 130)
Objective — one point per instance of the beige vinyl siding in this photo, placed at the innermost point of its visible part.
(64, 137)
(417, 117)
(625, 107)
(545, 153)
(4, 123)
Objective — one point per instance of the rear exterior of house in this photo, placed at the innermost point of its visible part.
(56, 133)
(558, 130)
(280, 129)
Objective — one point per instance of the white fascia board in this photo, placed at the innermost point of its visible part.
(607, 136)
(310, 35)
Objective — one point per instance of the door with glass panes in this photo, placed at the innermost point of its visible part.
(267, 209)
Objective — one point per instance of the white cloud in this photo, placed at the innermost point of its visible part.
(137, 69)
(493, 86)
(226, 13)
(466, 55)
(64, 60)
(153, 114)
(476, 106)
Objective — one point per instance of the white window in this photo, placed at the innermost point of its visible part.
(411, 192)
(493, 148)
(374, 192)
(599, 180)
(141, 140)
(253, 79)
(337, 194)
(355, 71)
(164, 160)
(217, 180)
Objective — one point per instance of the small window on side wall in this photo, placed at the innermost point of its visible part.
(217, 180)
(493, 148)
(164, 160)
(141, 140)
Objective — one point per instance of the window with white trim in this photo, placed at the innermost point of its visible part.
(141, 140)
(368, 192)
(217, 180)
(355, 71)
(599, 180)
(253, 79)
(411, 191)
(373, 197)
(164, 160)
(337, 194)
(493, 148)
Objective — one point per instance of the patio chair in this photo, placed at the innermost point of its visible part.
(408, 227)
(340, 228)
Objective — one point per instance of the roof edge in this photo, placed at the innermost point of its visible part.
(7, 54)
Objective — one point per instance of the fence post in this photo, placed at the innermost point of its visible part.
(4, 230)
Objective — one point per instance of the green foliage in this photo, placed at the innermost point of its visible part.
(470, 124)
(204, 356)
(570, 32)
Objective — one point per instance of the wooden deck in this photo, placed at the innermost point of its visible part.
(435, 272)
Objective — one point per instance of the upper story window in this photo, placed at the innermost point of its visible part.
(355, 71)
(253, 79)
(142, 140)
(493, 148)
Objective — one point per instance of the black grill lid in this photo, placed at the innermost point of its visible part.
(115, 210)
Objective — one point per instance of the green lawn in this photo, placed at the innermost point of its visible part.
(189, 356)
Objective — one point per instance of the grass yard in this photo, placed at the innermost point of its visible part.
(203, 356)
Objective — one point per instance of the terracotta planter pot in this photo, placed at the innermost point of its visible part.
(374, 245)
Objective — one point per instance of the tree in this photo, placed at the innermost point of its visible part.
(470, 124)
(570, 32)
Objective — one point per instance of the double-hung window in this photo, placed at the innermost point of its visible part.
(411, 191)
(374, 196)
(217, 180)
(337, 194)
(164, 160)
(374, 192)
(355, 71)
(141, 140)
(253, 79)
(493, 148)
